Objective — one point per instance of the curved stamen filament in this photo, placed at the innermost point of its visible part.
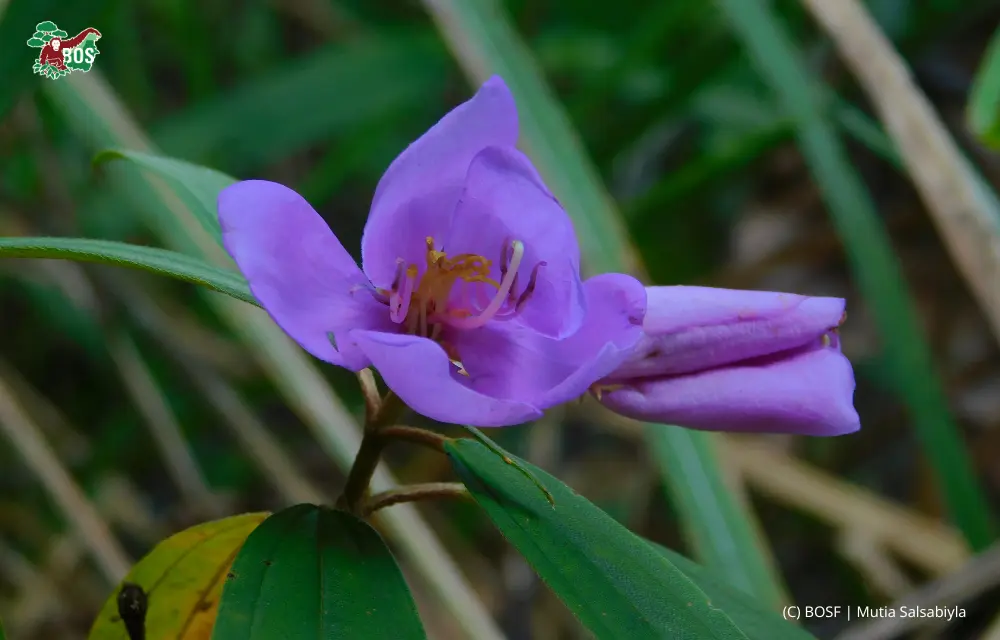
(499, 299)
(530, 288)
(399, 300)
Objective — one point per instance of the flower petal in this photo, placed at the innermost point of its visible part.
(695, 328)
(416, 196)
(504, 200)
(808, 391)
(507, 361)
(298, 270)
(419, 372)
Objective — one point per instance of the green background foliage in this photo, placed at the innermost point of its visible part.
(721, 144)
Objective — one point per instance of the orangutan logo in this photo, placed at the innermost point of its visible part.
(61, 54)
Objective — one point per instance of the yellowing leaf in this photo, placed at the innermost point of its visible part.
(182, 578)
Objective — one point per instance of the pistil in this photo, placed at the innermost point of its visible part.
(487, 314)
(425, 303)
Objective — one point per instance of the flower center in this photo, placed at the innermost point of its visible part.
(425, 304)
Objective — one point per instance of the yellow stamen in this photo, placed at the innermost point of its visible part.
(600, 389)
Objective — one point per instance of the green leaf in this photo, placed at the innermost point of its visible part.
(96, 115)
(984, 99)
(46, 26)
(612, 580)
(495, 448)
(197, 186)
(310, 572)
(182, 579)
(160, 261)
(751, 616)
(715, 530)
(483, 40)
(3, 636)
(872, 261)
(36, 42)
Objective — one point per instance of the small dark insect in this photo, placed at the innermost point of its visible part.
(132, 605)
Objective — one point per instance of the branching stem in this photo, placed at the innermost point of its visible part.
(415, 492)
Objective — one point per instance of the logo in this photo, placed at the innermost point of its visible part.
(61, 54)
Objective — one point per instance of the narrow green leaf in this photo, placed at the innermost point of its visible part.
(752, 616)
(872, 261)
(716, 535)
(984, 99)
(310, 572)
(484, 42)
(197, 186)
(614, 582)
(159, 261)
(3, 636)
(495, 448)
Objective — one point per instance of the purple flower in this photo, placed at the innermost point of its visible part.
(470, 304)
(727, 360)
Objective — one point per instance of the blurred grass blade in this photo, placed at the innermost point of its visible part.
(748, 614)
(191, 182)
(278, 113)
(159, 261)
(718, 536)
(705, 171)
(3, 636)
(275, 115)
(968, 226)
(484, 42)
(873, 264)
(181, 581)
(79, 513)
(984, 99)
(95, 114)
(154, 407)
(858, 125)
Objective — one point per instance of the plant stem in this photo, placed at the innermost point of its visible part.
(412, 493)
(369, 454)
(417, 436)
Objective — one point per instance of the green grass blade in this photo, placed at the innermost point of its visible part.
(95, 114)
(872, 261)
(485, 43)
(160, 261)
(984, 99)
(288, 109)
(857, 124)
(277, 114)
(189, 181)
(482, 39)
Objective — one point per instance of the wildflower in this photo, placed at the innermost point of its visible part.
(470, 303)
(719, 359)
